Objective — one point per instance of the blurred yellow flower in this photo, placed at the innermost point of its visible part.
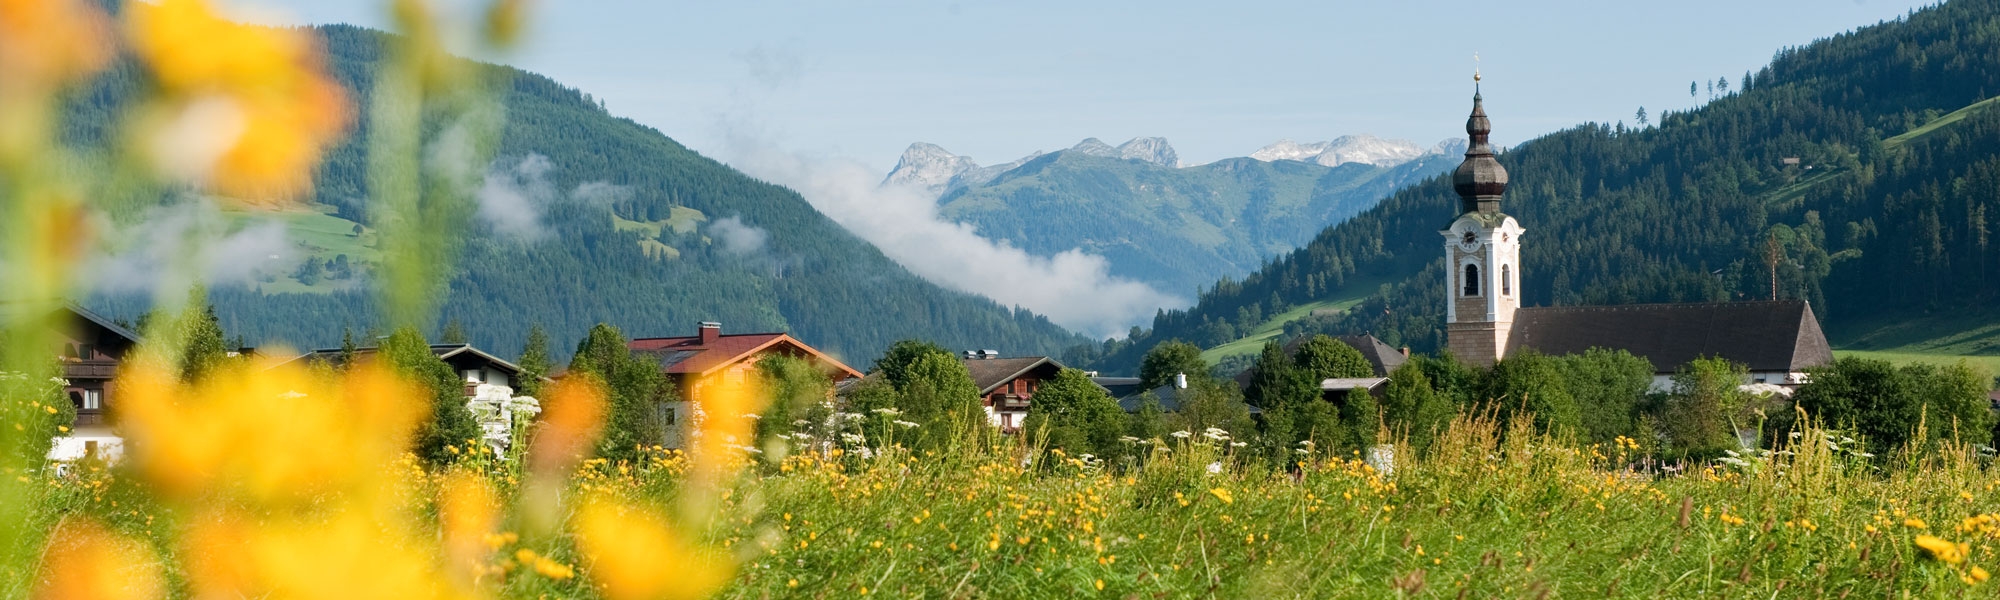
(245, 110)
(468, 513)
(275, 436)
(633, 555)
(572, 418)
(1223, 495)
(48, 41)
(86, 561)
(348, 554)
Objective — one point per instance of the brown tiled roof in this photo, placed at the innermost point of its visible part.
(991, 373)
(1766, 336)
(689, 356)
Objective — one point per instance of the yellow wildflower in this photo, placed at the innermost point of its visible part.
(1941, 549)
(468, 512)
(245, 110)
(47, 41)
(85, 560)
(1223, 495)
(624, 548)
(278, 435)
(1913, 523)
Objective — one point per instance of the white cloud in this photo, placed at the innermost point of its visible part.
(737, 238)
(177, 242)
(512, 196)
(1073, 288)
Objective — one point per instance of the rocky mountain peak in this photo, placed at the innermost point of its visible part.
(1154, 150)
(929, 167)
(1094, 147)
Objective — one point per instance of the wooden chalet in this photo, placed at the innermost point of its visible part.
(711, 355)
(474, 366)
(1006, 385)
(92, 347)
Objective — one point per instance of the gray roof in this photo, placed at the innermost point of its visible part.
(1778, 335)
(1119, 387)
(1342, 384)
(1384, 358)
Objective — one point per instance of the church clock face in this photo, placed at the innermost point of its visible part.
(1468, 242)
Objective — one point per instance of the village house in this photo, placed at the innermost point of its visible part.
(474, 366)
(1382, 360)
(710, 355)
(1485, 322)
(92, 347)
(1006, 385)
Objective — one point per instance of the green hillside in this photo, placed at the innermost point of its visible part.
(627, 238)
(1886, 217)
(1177, 229)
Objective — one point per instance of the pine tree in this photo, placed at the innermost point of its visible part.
(451, 425)
(636, 386)
(347, 349)
(454, 332)
(535, 364)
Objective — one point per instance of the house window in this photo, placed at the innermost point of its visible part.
(1506, 280)
(668, 416)
(1471, 280)
(93, 400)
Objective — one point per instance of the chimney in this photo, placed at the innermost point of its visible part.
(1180, 381)
(710, 331)
(1406, 352)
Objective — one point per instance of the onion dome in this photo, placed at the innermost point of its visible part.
(1480, 180)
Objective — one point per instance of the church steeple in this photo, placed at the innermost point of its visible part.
(1482, 250)
(1480, 180)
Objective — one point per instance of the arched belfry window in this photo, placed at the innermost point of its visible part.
(1506, 280)
(1471, 280)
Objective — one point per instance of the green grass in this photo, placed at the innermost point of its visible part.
(314, 232)
(1348, 296)
(681, 220)
(1945, 338)
(1952, 117)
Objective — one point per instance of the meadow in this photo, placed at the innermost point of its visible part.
(1488, 512)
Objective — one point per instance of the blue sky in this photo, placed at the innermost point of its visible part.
(861, 79)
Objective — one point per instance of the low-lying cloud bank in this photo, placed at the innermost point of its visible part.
(1073, 288)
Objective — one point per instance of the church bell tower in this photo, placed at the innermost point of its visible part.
(1482, 251)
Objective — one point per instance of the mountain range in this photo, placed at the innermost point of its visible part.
(585, 217)
(1158, 220)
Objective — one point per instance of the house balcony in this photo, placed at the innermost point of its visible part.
(90, 418)
(1010, 402)
(89, 369)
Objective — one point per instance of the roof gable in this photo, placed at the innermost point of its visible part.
(1766, 336)
(689, 356)
(991, 373)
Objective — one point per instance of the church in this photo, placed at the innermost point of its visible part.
(1484, 320)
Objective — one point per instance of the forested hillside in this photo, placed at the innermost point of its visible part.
(628, 227)
(1885, 214)
(1176, 229)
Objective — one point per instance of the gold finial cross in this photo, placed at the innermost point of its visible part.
(1475, 67)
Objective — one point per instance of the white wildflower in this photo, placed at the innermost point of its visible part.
(905, 424)
(888, 412)
(1214, 468)
(1183, 434)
